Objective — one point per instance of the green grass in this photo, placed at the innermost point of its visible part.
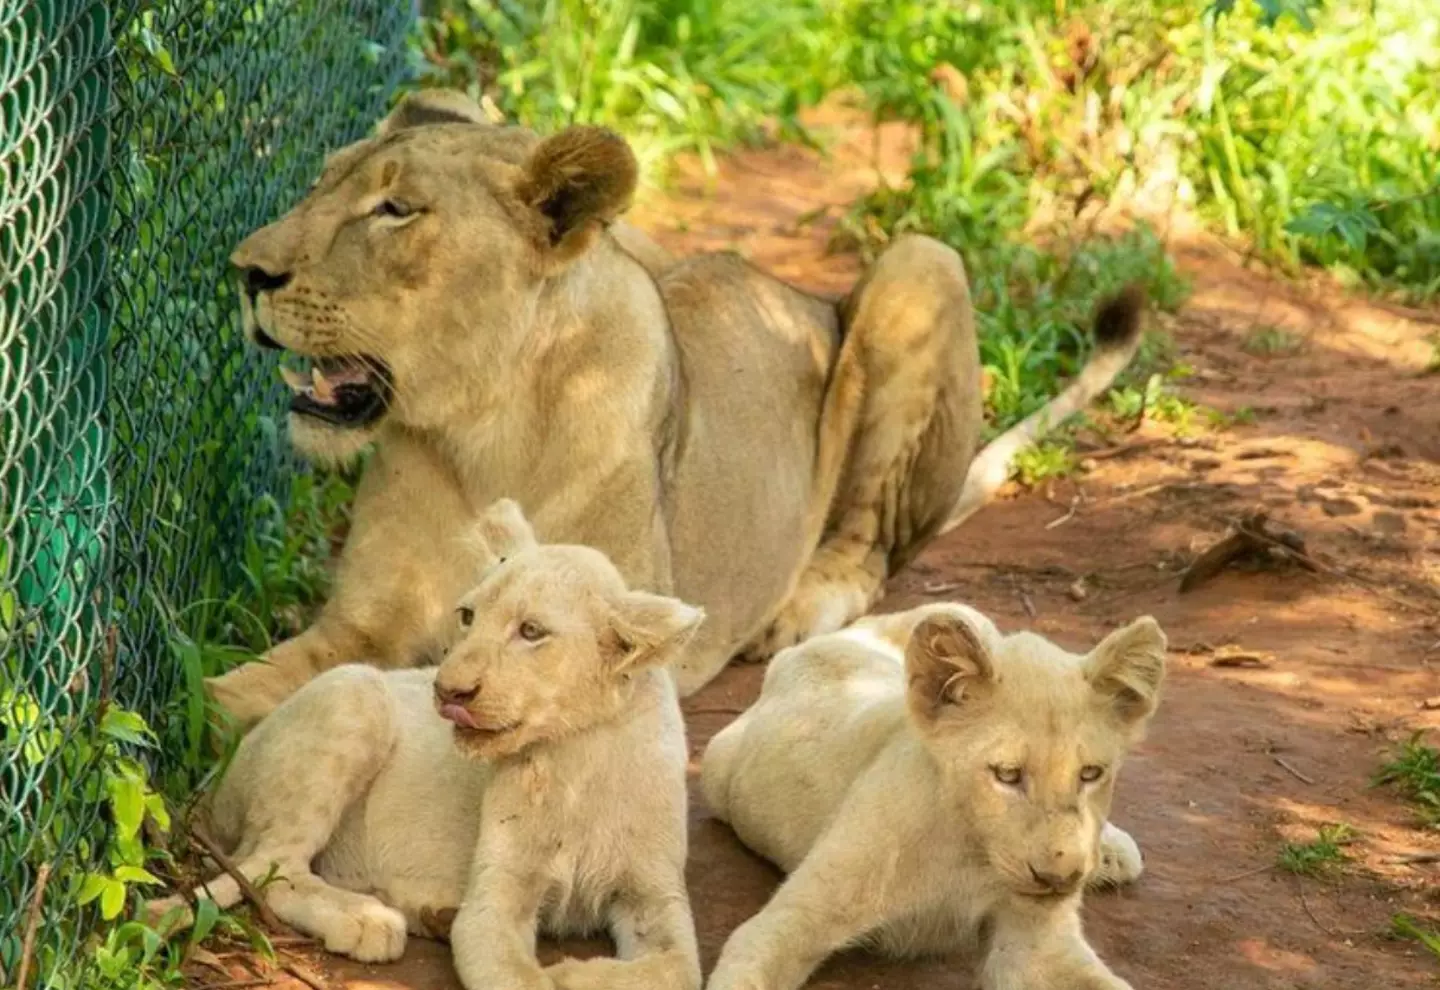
(1407, 927)
(1414, 772)
(1326, 852)
(1271, 342)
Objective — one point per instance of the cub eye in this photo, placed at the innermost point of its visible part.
(391, 208)
(532, 632)
(1009, 776)
(1091, 773)
(467, 615)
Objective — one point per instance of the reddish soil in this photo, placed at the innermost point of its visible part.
(1344, 448)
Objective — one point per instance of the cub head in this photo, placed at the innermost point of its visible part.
(1029, 738)
(401, 285)
(550, 642)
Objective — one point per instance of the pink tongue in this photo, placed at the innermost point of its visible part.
(458, 715)
(349, 375)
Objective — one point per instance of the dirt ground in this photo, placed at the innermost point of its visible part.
(1336, 665)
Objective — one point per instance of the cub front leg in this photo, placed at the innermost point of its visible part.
(1043, 946)
(655, 945)
(838, 894)
(493, 935)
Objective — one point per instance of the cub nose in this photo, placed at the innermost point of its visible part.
(1060, 883)
(445, 695)
(258, 280)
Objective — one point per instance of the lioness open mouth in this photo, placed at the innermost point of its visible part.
(343, 391)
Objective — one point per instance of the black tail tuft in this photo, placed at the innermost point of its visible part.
(1117, 321)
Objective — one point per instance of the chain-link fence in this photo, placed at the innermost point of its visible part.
(139, 141)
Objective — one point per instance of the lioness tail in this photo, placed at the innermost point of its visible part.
(1117, 336)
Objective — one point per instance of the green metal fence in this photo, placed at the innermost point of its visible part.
(139, 141)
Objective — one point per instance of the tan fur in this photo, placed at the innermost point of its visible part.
(560, 807)
(770, 456)
(869, 770)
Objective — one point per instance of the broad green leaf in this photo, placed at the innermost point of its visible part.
(135, 874)
(127, 800)
(112, 899)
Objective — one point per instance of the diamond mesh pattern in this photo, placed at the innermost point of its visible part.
(139, 141)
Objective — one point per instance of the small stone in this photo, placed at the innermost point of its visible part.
(1388, 522)
(1078, 592)
(1340, 507)
(1088, 464)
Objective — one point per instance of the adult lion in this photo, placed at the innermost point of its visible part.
(469, 304)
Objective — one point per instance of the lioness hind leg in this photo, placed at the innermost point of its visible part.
(910, 338)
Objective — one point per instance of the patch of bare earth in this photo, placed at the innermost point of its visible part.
(1288, 682)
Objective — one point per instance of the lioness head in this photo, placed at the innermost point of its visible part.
(1029, 738)
(404, 281)
(550, 641)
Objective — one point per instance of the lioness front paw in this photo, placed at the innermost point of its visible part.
(813, 610)
(1120, 859)
(373, 933)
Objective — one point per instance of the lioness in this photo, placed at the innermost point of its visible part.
(554, 795)
(468, 303)
(932, 785)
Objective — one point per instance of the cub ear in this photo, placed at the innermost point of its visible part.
(1127, 668)
(648, 630)
(945, 664)
(432, 106)
(503, 531)
(577, 181)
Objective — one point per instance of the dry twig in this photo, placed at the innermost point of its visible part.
(1289, 768)
(247, 889)
(32, 924)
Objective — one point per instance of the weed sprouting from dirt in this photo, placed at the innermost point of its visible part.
(1405, 926)
(1271, 342)
(1414, 771)
(1322, 854)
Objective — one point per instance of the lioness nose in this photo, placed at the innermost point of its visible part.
(258, 280)
(1056, 881)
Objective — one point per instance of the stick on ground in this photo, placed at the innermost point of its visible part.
(32, 923)
(247, 889)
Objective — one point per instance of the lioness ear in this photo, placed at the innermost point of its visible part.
(1127, 668)
(648, 630)
(576, 181)
(432, 106)
(503, 530)
(945, 664)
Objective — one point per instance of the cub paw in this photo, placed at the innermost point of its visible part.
(1120, 859)
(374, 933)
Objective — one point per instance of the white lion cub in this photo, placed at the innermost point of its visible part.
(548, 794)
(931, 785)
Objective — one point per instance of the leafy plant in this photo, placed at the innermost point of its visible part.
(1414, 771)
(1322, 854)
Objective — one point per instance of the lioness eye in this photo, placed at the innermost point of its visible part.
(1009, 776)
(1091, 773)
(391, 208)
(467, 615)
(532, 632)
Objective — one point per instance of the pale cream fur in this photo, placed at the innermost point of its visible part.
(560, 808)
(870, 771)
(768, 455)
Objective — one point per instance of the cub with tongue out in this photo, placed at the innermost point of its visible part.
(548, 794)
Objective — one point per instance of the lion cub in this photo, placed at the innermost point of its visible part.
(548, 793)
(931, 785)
